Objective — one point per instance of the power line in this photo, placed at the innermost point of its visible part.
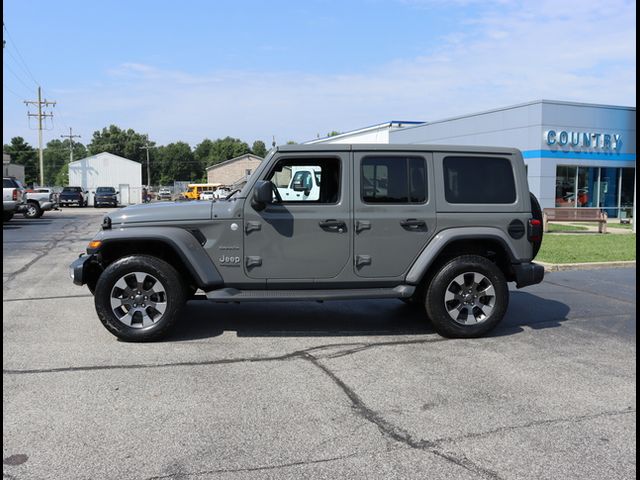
(20, 65)
(40, 103)
(19, 54)
(71, 136)
(11, 91)
(16, 75)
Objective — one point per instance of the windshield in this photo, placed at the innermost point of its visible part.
(72, 189)
(244, 191)
(106, 190)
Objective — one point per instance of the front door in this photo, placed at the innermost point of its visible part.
(302, 237)
(394, 211)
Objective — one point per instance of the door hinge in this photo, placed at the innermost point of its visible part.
(362, 260)
(251, 262)
(252, 226)
(362, 225)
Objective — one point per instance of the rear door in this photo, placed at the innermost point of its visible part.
(394, 211)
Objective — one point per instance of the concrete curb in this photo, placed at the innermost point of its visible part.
(559, 267)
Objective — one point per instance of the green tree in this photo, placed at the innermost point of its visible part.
(291, 142)
(56, 157)
(259, 148)
(202, 151)
(212, 152)
(333, 133)
(125, 143)
(24, 154)
(176, 162)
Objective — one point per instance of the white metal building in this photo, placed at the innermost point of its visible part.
(108, 170)
(373, 134)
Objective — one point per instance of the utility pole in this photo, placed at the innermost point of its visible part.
(40, 116)
(71, 136)
(147, 147)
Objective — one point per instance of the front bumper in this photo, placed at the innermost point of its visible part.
(79, 268)
(528, 274)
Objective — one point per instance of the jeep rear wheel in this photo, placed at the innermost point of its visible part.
(467, 297)
(138, 298)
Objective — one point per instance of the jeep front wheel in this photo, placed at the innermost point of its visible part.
(467, 297)
(138, 298)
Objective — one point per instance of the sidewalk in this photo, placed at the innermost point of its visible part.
(613, 226)
(559, 267)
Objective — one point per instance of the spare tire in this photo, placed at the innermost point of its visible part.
(536, 213)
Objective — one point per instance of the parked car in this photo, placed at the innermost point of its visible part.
(164, 194)
(207, 195)
(105, 196)
(443, 228)
(74, 196)
(12, 198)
(40, 200)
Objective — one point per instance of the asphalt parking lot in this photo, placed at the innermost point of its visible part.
(361, 389)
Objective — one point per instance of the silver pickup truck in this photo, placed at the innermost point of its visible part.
(40, 200)
(12, 198)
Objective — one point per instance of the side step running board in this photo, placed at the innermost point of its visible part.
(234, 295)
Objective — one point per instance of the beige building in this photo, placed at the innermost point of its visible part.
(233, 172)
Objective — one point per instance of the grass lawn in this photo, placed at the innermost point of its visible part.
(587, 248)
(555, 227)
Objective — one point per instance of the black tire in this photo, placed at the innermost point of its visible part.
(169, 281)
(33, 210)
(536, 213)
(445, 280)
(6, 216)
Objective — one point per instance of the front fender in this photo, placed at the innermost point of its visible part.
(181, 241)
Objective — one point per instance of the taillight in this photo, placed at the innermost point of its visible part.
(534, 232)
(15, 194)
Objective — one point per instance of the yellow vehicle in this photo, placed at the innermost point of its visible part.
(195, 189)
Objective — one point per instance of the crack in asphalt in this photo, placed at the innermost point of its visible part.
(45, 249)
(45, 298)
(395, 432)
(298, 354)
(536, 423)
(253, 469)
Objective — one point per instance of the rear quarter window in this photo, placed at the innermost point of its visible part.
(478, 180)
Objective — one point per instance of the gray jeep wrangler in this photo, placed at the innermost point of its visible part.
(441, 227)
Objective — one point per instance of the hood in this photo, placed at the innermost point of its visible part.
(163, 212)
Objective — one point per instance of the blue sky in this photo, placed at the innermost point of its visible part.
(191, 70)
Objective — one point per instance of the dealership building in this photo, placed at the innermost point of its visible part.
(577, 154)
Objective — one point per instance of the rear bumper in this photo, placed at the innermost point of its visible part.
(528, 274)
(46, 206)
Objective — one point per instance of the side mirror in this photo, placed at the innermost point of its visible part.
(262, 194)
(298, 186)
(117, 192)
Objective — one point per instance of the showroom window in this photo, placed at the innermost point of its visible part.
(608, 188)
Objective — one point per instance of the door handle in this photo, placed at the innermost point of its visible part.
(413, 224)
(333, 225)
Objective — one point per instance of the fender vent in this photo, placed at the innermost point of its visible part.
(516, 229)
